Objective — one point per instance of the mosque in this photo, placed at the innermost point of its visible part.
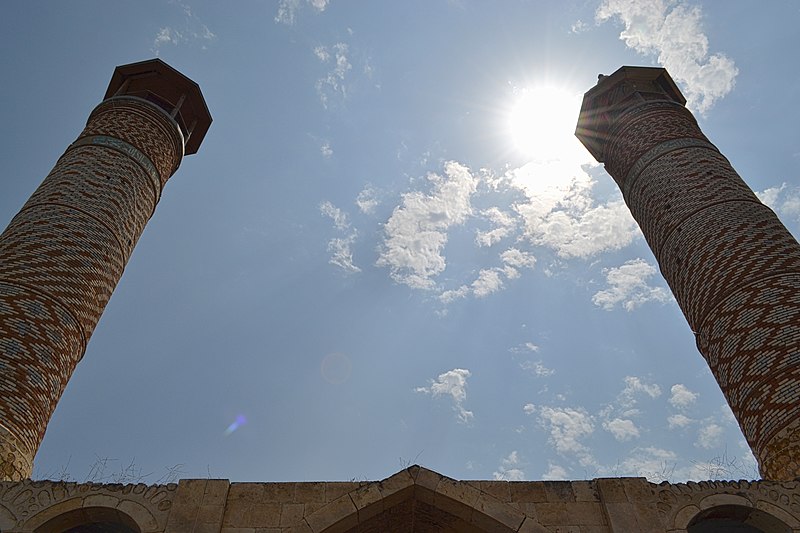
(733, 268)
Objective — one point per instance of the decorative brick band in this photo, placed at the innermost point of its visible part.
(62, 256)
(733, 267)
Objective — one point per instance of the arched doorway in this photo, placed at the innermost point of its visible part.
(90, 520)
(736, 519)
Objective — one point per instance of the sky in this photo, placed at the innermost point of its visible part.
(390, 248)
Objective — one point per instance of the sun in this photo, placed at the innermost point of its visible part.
(541, 121)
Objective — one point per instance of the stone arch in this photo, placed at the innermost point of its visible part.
(89, 520)
(420, 497)
(738, 518)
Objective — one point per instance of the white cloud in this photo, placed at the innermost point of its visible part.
(682, 397)
(673, 30)
(678, 421)
(561, 213)
(508, 471)
(488, 281)
(448, 296)
(525, 347)
(529, 408)
(567, 427)
(554, 473)
(538, 368)
(656, 464)
(287, 9)
(503, 225)
(709, 436)
(367, 200)
(326, 149)
(416, 232)
(513, 259)
(622, 430)
(338, 216)
(634, 386)
(628, 287)
(784, 200)
(452, 383)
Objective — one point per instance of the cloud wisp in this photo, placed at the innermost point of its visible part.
(191, 31)
(340, 248)
(287, 9)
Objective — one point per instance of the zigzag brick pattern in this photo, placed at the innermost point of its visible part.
(733, 268)
(62, 256)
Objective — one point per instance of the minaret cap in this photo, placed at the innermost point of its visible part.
(613, 94)
(162, 85)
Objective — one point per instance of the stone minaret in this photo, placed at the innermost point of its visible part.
(732, 266)
(63, 254)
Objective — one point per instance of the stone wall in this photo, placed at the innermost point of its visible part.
(413, 500)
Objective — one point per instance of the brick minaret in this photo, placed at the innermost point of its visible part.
(63, 254)
(732, 266)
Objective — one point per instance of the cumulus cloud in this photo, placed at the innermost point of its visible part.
(682, 397)
(452, 383)
(508, 469)
(326, 149)
(678, 421)
(333, 82)
(709, 436)
(514, 260)
(416, 232)
(674, 32)
(656, 464)
(628, 287)
(529, 408)
(784, 200)
(554, 473)
(367, 200)
(525, 347)
(488, 281)
(287, 9)
(503, 225)
(567, 427)
(635, 386)
(621, 429)
(561, 212)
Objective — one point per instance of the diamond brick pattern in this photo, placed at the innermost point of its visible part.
(733, 267)
(62, 256)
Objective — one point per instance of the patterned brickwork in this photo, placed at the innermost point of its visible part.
(62, 256)
(733, 267)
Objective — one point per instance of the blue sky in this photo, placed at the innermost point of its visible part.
(388, 250)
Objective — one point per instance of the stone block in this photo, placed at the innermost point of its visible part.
(140, 514)
(638, 489)
(532, 526)
(552, 513)
(456, 497)
(190, 491)
(210, 514)
(335, 489)
(585, 491)
(622, 517)
(280, 492)
(585, 514)
(100, 500)
(216, 492)
(427, 479)
(527, 491)
(291, 513)
(490, 507)
(341, 513)
(396, 488)
(244, 513)
(368, 501)
(559, 491)
(247, 492)
(499, 489)
(611, 490)
(309, 492)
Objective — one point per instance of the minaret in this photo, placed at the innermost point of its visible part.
(64, 252)
(732, 266)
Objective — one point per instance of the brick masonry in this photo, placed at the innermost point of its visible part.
(733, 267)
(62, 256)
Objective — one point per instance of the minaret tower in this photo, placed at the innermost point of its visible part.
(732, 266)
(64, 252)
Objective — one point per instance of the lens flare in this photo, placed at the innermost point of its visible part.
(239, 422)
